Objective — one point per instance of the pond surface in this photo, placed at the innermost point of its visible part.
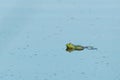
(34, 33)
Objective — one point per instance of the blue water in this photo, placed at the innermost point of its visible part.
(33, 34)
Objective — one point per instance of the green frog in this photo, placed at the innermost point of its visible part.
(71, 47)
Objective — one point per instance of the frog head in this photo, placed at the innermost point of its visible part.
(70, 47)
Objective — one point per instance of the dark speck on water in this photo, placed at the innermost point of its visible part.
(55, 74)
(107, 63)
(72, 18)
(82, 73)
(96, 62)
(45, 79)
(18, 48)
(24, 48)
(28, 45)
(103, 56)
(36, 54)
(11, 75)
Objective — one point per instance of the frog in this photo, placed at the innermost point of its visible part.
(72, 47)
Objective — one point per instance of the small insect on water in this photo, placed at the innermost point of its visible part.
(71, 47)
